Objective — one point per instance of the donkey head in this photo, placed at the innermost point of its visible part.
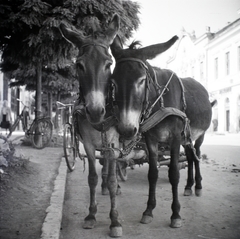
(93, 66)
(130, 81)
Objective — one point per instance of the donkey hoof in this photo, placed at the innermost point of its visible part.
(105, 191)
(89, 224)
(198, 192)
(116, 231)
(187, 192)
(176, 223)
(146, 219)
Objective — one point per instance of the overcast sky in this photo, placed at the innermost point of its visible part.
(161, 19)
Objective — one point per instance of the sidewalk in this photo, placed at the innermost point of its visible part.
(46, 173)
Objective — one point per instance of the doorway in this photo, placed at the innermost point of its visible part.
(227, 120)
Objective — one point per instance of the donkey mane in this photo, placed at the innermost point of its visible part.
(135, 45)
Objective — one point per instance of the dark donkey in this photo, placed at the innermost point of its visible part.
(93, 69)
(137, 86)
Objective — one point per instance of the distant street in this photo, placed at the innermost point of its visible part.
(214, 215)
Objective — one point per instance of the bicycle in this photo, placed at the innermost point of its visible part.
(70, 139)
(39, 132)
(71, 144)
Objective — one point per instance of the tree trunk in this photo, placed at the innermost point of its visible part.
(38, 103)
(50, 100)
(57, 111)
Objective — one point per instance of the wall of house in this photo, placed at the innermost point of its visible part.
(223, 84)
(197, 58)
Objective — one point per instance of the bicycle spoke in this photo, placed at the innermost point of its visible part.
(41, 133)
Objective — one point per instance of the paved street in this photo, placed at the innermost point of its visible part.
(214, 215)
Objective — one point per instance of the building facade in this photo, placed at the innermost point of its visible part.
(214, 60)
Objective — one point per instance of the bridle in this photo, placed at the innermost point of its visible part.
(81, 98)
(151, 78)
(109, 120)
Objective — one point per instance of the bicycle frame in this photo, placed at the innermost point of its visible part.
(19, 118)
(70, 140)
(69, 107)
(39, 132)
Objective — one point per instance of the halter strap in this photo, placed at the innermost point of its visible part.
(132, 59)
(149, 79)
(94, 44)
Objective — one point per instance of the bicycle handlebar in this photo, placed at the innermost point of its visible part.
(25, 106)
(64, 105)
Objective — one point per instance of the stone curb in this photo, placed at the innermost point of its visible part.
(52, 223)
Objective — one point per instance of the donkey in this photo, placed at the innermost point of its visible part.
(160, 105)
(93, 70)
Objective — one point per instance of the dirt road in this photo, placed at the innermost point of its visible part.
(214, 215)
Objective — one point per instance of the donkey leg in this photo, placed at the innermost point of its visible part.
(198, 177)
(152, 179)
(174, 175)
(90, 220)
(190, 180)
(115, 227)
(104, 177)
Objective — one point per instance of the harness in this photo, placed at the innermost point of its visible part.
(149, 120)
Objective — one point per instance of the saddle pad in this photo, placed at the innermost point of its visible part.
(158, 116)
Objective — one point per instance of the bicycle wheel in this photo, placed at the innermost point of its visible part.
(41, 133)
(69, 147)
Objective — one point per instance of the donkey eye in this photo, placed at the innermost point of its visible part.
(108, 65)
(141, 81)
(80, 66)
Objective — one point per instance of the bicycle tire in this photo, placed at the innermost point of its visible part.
(41, 133)
(69, 147)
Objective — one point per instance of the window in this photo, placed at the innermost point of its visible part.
(216, 68)
(227, 63)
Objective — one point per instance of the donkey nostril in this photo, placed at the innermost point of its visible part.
(135, 130)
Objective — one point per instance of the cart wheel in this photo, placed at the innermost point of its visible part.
(41, 133)
(122, 171)
(69, 147)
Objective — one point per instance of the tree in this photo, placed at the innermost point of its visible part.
(32, 47)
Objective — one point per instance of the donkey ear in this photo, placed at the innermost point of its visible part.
(116, 47)
(152, 51)
(73, 36)
(113, 28)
